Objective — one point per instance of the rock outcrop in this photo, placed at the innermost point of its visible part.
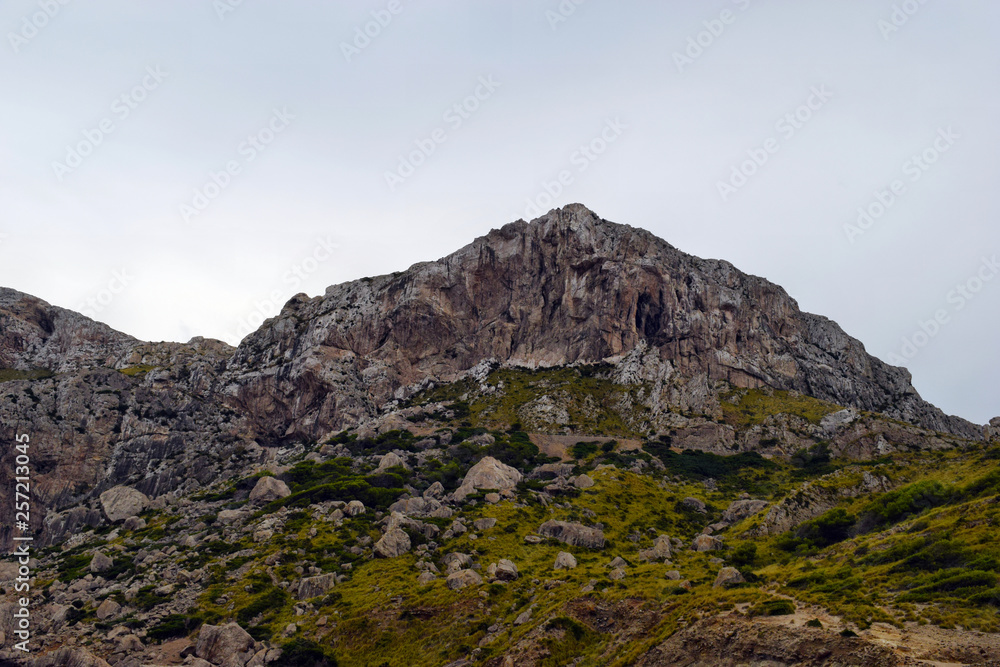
(488, 473)
(122, 502)
(224, 645)
(269, 488)
(573, 534)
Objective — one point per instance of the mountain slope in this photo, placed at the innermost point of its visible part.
(566, 443)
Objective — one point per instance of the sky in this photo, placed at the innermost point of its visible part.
(182, 168)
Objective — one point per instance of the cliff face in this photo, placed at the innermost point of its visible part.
(106, 409)
(567, 287)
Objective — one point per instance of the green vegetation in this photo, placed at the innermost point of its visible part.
(136, 371)
(754, 406)
(12, 374)
(594, 404)
(174, 625)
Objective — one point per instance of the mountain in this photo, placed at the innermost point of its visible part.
(583, 386)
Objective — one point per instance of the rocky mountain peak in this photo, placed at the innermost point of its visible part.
(568, 287)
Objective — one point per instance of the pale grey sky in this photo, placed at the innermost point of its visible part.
(175, 168)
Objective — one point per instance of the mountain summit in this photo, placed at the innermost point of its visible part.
(568, 287)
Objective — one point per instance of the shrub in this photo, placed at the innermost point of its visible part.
(304, 653)
(174, 625)
(273, 599)
(773, 608)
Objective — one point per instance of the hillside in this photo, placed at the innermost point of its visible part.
(566, 443)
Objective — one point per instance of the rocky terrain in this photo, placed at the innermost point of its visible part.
(566, 443)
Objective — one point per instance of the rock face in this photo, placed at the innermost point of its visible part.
(224, 645)
(488, 474)
(566, 287)
(269, 488)
(573, 534)
(121, 502)
(741, 509)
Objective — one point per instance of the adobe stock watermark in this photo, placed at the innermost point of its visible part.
(35, 23)
(364, 34)
(121, 108)
(957, 299)
(293, 277)
(581, 158)
(913, 169)
(454, 117)
(562, 13)
(248, 151)
(787, 127)
(714, 28)
(100, 300)
(900, 16)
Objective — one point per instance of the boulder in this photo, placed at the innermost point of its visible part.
(416, 506)
(617, 574)
(108, 609)
(68, 657)
(573, 534)
(354, 508)
(660, 550)
(488, 473)
(564, 561)
(484, 523)
(224, 645)
(506, 570)
(583, 482)
(728, 576)
(426, 578)
(674, 575)
(462, 578)
(311, 587)
(134, 523)
(456, 561)
(101, 563)
(269, 488)
(227, 517)
(435, 491)
(394, 543)
(390, 460)
(706, 543)
(121, 502)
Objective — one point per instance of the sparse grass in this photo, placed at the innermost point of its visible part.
(12, 374)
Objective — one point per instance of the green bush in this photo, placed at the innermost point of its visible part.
(174, 625)
(909, 500)
(773, 608)
(582, 450)
(304, 653)
(272, 600)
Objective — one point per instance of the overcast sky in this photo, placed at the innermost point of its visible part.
(182, 168)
